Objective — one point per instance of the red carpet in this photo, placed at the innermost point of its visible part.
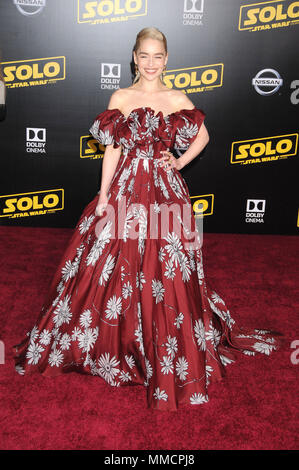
(254, 407)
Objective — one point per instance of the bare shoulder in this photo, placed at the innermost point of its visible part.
(181, 99)
(117, 98)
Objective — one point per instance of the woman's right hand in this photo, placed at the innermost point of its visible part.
(101, 205)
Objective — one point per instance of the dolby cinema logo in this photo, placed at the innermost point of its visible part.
(35, 140)
(110, 76)
(267, 82)
(30, 7)
(255, 211)
(193, 12)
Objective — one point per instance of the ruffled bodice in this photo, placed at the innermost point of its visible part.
(143, 133)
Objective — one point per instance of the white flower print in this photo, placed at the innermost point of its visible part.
(215, 298)
(182, 367)
(122, 182)
(209, 370)
(130, 361)
(127, 290)
(170, 270)
(107, 269)
(213, 335)
(184, 133)
(34, 353)
(156, 207)
(184, 267)
(131, 186)
(262, 332)
(264, 348)
(174, 247)
(127, 225)
(171, 346)
(85, 224)
(62, 313)
(60, 287)
(56, 335)
(97, 249)
(76, 333)
(248, 353)
(65, 342)
(166, 365)
(122, 273)
(85, 319)
(45, 337)
(70, 269)
(224, 314)
(140, 279)
(102, 136)
(87, 338)
(199, 330)
(161, 254)
(55, 301)
(163, 188)
(198, 399)
(200, 272)
(108, 367)
(34, 334)
(174, 184)
(225, 360)
(149, 369)
(19, 369)
(179, 320)
(55, 358)
(158, 290)
(160, 394)
(114, 306)
(151, 122)
(155, 174)
(125, 376)
(145, 155)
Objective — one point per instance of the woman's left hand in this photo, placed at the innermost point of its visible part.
(169, 161)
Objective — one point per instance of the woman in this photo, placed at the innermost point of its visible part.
(133, 306)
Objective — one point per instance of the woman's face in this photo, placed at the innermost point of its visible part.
(150, 58)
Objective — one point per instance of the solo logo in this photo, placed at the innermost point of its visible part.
(24, 73)
(268, 15)
(195, 79)
(90, 147)
(33, 203)
(109, 10)
(202, 205)
(264, 149)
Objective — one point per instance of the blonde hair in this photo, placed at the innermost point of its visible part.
(152, 33)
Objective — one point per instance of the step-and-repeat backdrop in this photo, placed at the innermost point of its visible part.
(236, 60)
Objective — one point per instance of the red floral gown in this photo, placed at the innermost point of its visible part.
(138, 309)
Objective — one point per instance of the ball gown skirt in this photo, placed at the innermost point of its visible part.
(129, 301)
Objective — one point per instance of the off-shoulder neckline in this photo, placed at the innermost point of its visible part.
(153, 111)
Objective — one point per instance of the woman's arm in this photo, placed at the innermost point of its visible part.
(111, 155)
(195, 148)
(201, 139)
